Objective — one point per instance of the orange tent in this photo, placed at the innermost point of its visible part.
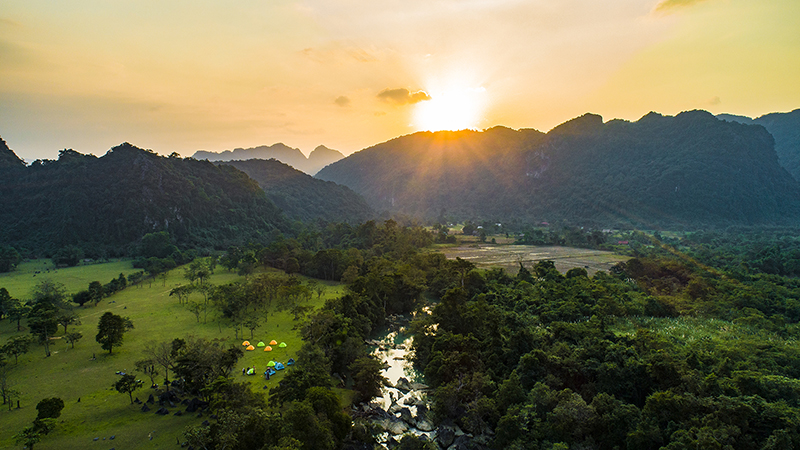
(273, 342)
(250, 348)
(268, 349)
(246, 343)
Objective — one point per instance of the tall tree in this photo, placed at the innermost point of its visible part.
(9, 258)
(16, 346)
(43, 323)
(127, 384)
(110, 330)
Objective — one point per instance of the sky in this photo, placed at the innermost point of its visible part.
(181, 76)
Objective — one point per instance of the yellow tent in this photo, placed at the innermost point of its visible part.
(246, 343)
(250, 348)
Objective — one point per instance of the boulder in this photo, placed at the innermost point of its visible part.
(425, 425)
(162, 411)
(150, 399)
(405, 416)
(403, 384)
(145, 408)
(179, 413)
(445, 435)
(419, 386)
(396, 427)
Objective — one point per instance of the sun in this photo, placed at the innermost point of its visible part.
(455, 109)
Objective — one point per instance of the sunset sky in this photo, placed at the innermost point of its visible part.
(214, 75)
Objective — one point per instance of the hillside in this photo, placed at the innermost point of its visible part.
(690, 170)
(8, 158)
(303, 197)
(317, 159)
(106, 204)
(785, 128)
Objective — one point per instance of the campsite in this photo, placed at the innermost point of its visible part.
(84, 376)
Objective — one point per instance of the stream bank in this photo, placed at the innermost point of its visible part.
(403, 406)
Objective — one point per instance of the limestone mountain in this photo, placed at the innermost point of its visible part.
(319, 158)
(685, 171)
(785, 128)
(8, 158)
(303, 197)
(107, 204)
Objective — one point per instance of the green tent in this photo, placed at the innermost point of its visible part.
(261, 344)
(282, 345)
(271, 364)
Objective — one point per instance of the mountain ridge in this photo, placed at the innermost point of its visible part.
(660, 171)
(320, 157)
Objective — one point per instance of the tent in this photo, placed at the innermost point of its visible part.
(279, 366)
(271, 364)
(251, 371)
(261, 344)
(270, 371)
(250, 348)
(273, 342)
(290, 362)
(283, 345)
(246, 343)
(268, 349)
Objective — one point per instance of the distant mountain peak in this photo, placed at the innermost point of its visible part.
(586, 123)
(319, 158)
(7, 156)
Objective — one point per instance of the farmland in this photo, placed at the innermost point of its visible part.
(508, 257)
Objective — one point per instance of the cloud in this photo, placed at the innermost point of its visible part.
(715, 101)
(342, 101)
(402, 96)
(667, 6)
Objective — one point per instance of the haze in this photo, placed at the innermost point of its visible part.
(190, 75)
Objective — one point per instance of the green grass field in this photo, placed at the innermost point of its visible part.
(73, 374)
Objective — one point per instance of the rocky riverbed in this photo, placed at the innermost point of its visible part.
(403, 406)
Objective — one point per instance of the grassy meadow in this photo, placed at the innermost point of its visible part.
(83, 377)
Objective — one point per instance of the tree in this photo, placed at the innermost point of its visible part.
(96, 291)
(251, 323)
(66, 318)
(148, 366)
(111, 329)
(50, 408)
(82, 297)
(43, 323)
(6, 302)
(127, 384)
(16, 346)
(9, 258)
(17, 311)
(182, 292)
(367, 378)
(73, 337)
(164, 354)
(68, 256)
(50, 292)
(29, 436)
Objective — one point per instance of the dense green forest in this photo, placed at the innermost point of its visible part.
(106, 205)
(679, 172)
(664, 351)
(785, 128)
(302, 197)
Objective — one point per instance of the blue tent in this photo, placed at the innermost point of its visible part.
(279, 366)
(290, 362)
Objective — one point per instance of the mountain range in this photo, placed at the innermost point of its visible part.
(107, 204)
(691, 170)
(317, 159)
(303, 197)
(785, 128)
